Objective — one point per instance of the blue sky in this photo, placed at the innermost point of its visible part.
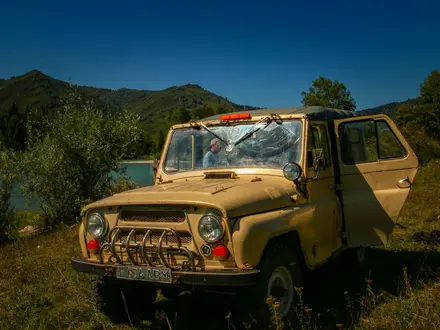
(261, 53)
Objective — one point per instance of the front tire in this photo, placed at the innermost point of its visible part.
(107, 295)
(280, 275)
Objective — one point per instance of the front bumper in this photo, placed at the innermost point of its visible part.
(220, 278)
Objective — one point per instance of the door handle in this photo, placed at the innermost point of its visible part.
(404, 183)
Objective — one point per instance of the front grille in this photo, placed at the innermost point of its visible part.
(142, 246)
(160, 216)
(153, 238)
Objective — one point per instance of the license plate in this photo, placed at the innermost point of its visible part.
(162, 275)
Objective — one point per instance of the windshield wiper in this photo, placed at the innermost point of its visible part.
(218, 137)
(268, 120)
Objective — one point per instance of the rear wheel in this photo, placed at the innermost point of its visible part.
(109, 295)
(359, 258)
(280, 274)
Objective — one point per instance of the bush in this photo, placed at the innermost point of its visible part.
(425, 147)
(8, 176)
(69, 165)
(122, 184)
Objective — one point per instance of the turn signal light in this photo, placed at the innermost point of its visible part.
(220, 252)
(93, 245)
(236, 116)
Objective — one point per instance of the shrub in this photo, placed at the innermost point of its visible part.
(425, 147)
(122, 184)
(69, 165)
(8, 176)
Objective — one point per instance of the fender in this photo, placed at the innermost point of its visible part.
(251, 234)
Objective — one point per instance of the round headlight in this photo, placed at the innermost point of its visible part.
(211, 228)
(292, 171)
(96, 225)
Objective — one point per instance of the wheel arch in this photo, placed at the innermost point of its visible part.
(291, 239)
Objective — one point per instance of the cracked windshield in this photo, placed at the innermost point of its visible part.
(263, 144)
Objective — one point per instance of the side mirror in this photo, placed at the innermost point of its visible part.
(292, 171)
(318, 160)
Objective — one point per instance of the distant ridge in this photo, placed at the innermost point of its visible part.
(36, 89)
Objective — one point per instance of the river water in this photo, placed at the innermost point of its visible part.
(140, 172)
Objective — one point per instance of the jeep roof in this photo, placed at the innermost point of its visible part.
(313, 112)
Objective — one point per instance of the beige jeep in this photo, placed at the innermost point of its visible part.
(245, 202)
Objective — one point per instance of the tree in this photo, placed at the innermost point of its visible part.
(160, 141)
(202, 112)
(8, 177)
(430, 89)
(180, 115)
(221, 110)
(13, 128)
(426, 114)
(328, 93)
(70, 165)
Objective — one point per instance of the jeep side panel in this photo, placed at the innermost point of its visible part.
(377, 167)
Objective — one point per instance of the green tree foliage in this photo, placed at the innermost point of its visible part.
(221, 110)
(424, 146)
(69, 165)
(13, 128)
(8, 177)
(179, 116)
(328, 93)
(160, 141)
(202, 112)
(426, 114)
(430, 89)
(420, 122)
(145, 145)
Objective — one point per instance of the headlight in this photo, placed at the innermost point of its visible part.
(96, 225)
(211, 228)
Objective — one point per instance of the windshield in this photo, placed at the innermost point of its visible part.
(270, 145)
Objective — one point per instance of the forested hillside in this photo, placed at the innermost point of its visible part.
(41, 94)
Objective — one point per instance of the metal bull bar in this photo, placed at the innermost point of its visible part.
(143, 246)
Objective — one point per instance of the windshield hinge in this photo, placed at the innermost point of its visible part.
(165, 182)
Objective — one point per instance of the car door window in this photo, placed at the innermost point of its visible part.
(368, 141)
(389, 145)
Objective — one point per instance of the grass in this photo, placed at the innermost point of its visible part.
(40, 290)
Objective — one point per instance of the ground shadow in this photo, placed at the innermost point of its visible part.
(323, 292)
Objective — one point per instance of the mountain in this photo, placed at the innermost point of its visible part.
(36, 89)
(389, 108)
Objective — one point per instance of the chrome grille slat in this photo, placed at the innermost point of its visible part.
(147, 246)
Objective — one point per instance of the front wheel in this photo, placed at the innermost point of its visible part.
(109, 295)
(275, 293)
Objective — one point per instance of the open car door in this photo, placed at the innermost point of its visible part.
(377, 167)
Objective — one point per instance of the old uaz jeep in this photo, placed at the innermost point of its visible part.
(246, 201)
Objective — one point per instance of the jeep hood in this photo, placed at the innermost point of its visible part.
(234, 197)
